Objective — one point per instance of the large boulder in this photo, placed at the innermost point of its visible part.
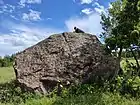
(68, 57)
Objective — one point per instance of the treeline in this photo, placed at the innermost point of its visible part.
(7, 60)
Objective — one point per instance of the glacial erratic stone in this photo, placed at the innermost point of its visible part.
(67, 57)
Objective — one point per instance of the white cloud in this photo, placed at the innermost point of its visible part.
(22, 3)
(14, 17)
(7, 8)
(22, 37)
(87, 11)
(86, 1)
(33, 1)
(48, 18)
(90, 24)
(99, 8)
(31, 16)
(110, 5)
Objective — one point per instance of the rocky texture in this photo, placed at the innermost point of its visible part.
(67, 57)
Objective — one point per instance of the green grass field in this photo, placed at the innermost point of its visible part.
(96, 98)
(6, 74)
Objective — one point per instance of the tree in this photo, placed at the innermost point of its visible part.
(6, 60)
(122, 34)
(109, 24)
(122, 30)
(122, 26)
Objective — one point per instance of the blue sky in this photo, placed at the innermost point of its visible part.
(23, 23)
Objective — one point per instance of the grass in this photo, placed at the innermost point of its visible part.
(6, 74)
(12, 95)
(87, 99)
(98, 99)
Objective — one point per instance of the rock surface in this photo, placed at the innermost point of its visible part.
(67, 57)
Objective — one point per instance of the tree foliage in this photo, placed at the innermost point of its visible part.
(7, 61)
(121, 25)
(122, 39)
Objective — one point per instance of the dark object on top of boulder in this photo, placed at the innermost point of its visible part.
(72, 58)
(77, 30)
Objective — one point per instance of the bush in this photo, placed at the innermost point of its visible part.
(11, 93)
(128, 82)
